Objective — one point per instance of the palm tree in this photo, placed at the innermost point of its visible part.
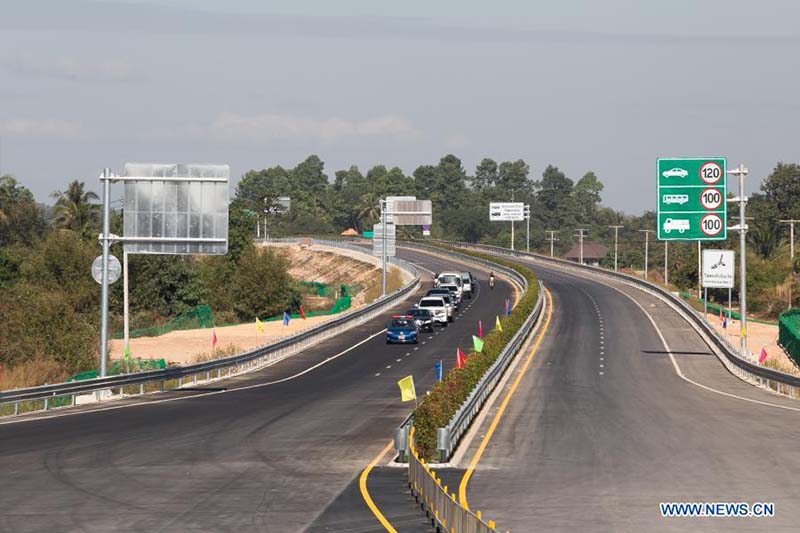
(75, 208)
(765, 238)
(369, 210)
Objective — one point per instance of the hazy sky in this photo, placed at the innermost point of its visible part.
(595, 85)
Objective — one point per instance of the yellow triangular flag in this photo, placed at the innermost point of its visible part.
(259, 326)
(407, 391)
(498, 325)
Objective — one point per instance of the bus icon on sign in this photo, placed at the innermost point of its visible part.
(679, 199)
(680, 225)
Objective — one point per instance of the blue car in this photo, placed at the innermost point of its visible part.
(402, 329)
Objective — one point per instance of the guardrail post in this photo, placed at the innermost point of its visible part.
(161, 386)
(46, 403)
(180, 382)
(401, 442)
(443, 443)
(141, 388)
(16, 408)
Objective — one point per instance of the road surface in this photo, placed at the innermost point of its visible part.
(262, 455)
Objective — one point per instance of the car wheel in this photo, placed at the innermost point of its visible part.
(444, 324)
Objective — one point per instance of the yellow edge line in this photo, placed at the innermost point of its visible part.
(362, 485)
(462, 488)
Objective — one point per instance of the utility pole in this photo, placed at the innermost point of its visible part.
(791, 235)
(551, 239)
(616, 235)
(580, 237)
(741, 171)
(647, 233)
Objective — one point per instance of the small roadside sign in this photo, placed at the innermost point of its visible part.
(718, 269)
(114, 269)
(506, 211)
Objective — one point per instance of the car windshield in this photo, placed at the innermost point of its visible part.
(419, 313)
(465, 278)
(431, 302)
(401, 323)
(447, 279)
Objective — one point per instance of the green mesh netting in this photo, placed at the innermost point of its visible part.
(789, 333)
(196, 317)
(715, 309)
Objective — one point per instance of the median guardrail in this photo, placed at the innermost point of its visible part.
(59, 394)
(750, 371)
(450, 435)
(437, 502)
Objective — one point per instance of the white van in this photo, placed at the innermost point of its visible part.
(437, 307)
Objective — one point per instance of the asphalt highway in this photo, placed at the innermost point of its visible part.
(602, 428)
(270, 453)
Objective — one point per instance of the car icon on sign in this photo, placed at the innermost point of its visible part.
(675, 173)
(680, 225)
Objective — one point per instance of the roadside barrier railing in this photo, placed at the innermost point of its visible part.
(450, 435)
(67, 394)
(437, 502)
(744, 368)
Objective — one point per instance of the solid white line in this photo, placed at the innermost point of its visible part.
(201, 395)
(687, 379)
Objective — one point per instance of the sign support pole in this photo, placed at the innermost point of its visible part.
(666, 263)
(528, 232)
(383, 247)
(106, 239)
(512, 235)
(741, 172)
(730, 306)
(705, 304)
(699, 268)
(125, 300)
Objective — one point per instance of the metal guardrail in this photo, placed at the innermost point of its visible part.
(438, 504)
(213, 370)
(775, 380)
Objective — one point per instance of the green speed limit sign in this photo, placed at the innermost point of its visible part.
(691, 202)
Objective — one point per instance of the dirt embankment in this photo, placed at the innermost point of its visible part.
(305, 264)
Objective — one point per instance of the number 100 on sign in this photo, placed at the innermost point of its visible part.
(691, 204)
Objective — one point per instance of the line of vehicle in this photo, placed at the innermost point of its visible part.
(462, 488)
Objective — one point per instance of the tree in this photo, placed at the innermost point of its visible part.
(513, 177)
(782, 189)
(587, 197)
(765, 239)
(554, 199)
(261, 285)
(75, 208)
(21, 220)
(485, 175)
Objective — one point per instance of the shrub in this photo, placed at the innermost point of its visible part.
(449, 394)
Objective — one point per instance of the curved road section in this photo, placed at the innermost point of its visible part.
(268, 451)
(603, 428)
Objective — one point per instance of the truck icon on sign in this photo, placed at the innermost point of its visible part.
(680, 225)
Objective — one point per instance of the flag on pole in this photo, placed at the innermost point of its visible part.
(126, 354)
(497, 323)
(213, 339)
(259, 326)
(477, 343)
(438, 369)
(721, 318)
(480, 329)
(302, 313)
(461, 358)
(508, 306)
(286, 318)
(407, 391)
(763, 356)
